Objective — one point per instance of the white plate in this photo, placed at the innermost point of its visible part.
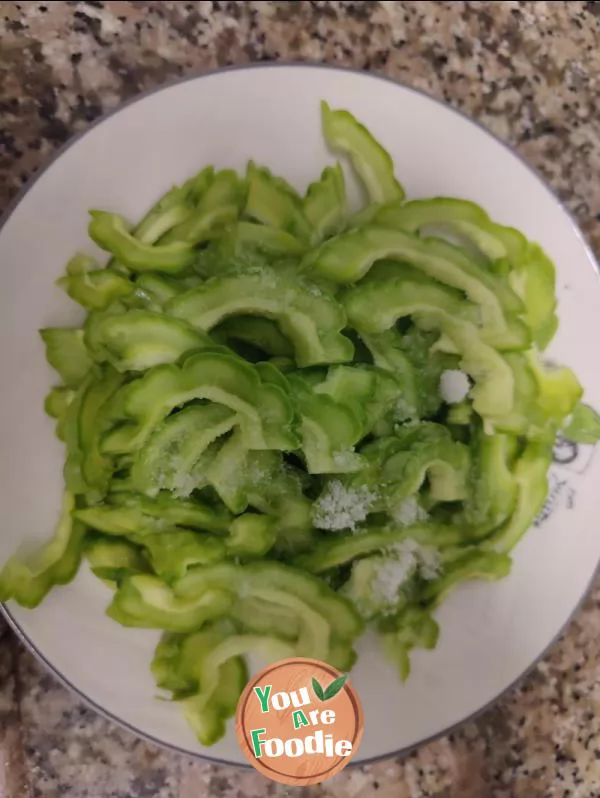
(491, 634)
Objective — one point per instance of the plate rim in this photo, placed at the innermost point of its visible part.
(256, 66)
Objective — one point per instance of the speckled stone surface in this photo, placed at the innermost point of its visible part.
(530, 71)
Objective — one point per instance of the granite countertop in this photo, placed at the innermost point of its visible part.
(530, 71)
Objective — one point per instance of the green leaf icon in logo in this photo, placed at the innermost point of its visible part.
(332, 690)
(335, 687)
(318, 689)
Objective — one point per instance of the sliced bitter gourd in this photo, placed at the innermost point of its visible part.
(167, 459)
(330, 430)
(531, 476)
(145, 601)
(372, 392)
(28, 576)
(272, 201)
(180, 665)
(93, 421)
(434, 307)
(348, 257)
(96, 289)
(335, 551)
(140, 339)
(112, 560)
(218, 206)
(66, 352)
(112, 233)
(309, 316)
(463, 218)
(325, 204)
(265, 410)
(135, 516)
(371, 162)
(412, 627)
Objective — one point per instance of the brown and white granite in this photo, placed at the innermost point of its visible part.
(530, 71)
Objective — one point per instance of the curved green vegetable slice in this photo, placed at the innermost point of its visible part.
(136, 516)
(57, 401)
(251, 535)
(544, 396)
(524, 417)
(29, 576)
(66, 353)
(111, 232)
(154, 290)
(349, 256)
(325, 204)
(330, 430)
(413, 627)
(220, 689)
(310, 317)
(330, 553)
(398, 292)
(274, 488)
(180, 665)
(265, 410)
(140, 339)
(56, 405)
(96, 290)
(495, 241)
(112, 560)
(583, 426)
(176, 658)
(493, 488)
(93, 421)
(272, 201)
(416, 369)
(400, 465)
(172, 209)
(372, 163)
(225, 470)
(531, 475)
(475, 564)
(427, 452)
(534, 279)
(276, 583)
(218, 206)
(435, 307)
(145, 601)
(559, 389)
(261, 480)
(372, 392)
(166, 460)
(70, 429)
(493, 392)
(173, 553)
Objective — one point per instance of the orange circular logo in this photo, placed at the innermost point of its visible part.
(299, 721)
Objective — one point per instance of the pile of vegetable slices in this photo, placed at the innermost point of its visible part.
(284, 421)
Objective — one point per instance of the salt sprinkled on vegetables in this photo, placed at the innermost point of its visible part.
(184, 485)
(391, 577)
(427, 557)
(409, 512)
(454, 386)
(340, 507)
(406, 559)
